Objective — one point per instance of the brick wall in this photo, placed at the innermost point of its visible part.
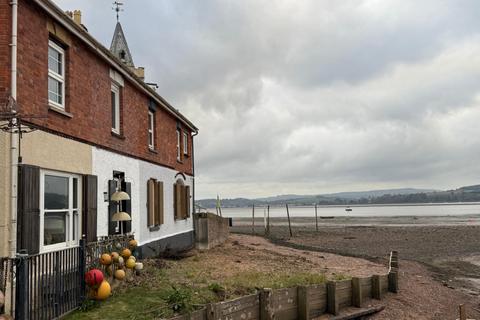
(5, 39)
(88, 97)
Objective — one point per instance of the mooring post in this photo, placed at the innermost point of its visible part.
(462, 312)
(303, 303)
(289, 225)
(332, 299)
(393, 281)
(316, 218)
(253, 219)
(376, 287)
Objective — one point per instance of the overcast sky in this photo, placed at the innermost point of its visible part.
(313, 96)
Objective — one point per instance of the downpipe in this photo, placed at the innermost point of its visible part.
(13, 136)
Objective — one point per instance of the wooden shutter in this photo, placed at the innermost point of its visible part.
(127, 206)
(187, 201)
(150, 202)
(177, 200)
(89, 218)
(159, 203)
(28, 202)
(112, 206)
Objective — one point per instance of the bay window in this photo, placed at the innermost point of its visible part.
(60, 210)
(56, 75)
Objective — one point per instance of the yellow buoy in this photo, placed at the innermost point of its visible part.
(119, 274)
(103, 291)
(130, 263)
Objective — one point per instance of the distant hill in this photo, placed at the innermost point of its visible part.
(403, 195)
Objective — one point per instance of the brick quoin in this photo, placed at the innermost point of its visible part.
(88, 97)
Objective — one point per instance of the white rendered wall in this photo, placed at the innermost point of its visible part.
(137, 172)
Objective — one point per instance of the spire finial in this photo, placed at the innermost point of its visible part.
(117, 8)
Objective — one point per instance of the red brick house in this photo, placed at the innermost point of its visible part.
(99, 130)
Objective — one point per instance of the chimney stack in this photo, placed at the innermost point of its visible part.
(77, 17)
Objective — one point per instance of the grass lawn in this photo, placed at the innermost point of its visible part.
(168, 287)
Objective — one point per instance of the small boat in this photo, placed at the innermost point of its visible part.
(348, 209)
(327, 217)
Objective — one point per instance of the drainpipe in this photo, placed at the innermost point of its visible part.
(13, 138)
(193, 171)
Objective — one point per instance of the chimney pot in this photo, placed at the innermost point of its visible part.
(77, 17)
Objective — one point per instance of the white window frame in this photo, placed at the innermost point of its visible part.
(178, 146)
(116, 90)
(151, 129)
(185, 143)
(70, 242)
(58, 77)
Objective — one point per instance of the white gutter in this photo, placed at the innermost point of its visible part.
(13, 136)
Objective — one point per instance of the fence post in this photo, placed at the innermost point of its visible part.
(212, 311)
(82, 263)
(21, 296)
(303, 303)
(332, 299)
(393, 281)
(376, 287)
(266, 305)
(356, 292)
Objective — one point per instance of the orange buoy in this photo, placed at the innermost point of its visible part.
(106, 259)
(115, 256)
(133, 243)
(126, 253)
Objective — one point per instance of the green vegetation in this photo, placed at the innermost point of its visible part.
(170, 287)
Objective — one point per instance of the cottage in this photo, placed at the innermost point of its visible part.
(102, 153)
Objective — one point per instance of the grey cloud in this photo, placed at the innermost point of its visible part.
(313, 96)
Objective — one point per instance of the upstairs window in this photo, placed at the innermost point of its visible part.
(56, 75)
(115, 100)
(185, 143)
(178, 146)
(151, 130)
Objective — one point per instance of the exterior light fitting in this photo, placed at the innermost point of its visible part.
(121, 216)
(120, 196)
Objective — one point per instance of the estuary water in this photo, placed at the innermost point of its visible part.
(415, 210)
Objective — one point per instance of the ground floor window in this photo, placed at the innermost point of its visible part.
(60, 210)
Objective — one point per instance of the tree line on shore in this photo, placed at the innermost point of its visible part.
(464, 194)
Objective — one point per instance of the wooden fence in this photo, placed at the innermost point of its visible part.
(303, 302)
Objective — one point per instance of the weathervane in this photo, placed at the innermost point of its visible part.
(117, 5)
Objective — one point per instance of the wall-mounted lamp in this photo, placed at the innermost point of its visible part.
(105, 196)
(121, 216)
(120, 196)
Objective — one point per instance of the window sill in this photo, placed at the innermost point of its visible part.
(185, 155)
(155, 228)
(179, 161)
(118, 135)
(60, 111)
(152, 150)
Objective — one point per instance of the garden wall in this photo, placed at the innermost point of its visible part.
(210, 230)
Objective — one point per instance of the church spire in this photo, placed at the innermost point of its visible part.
(119, 46)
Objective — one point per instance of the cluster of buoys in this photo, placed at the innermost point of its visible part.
(114, 264)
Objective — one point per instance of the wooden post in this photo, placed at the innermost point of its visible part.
(268, 219)
(332, 299)
(393, 260)
(289, 225)
(266, 305)
(253, 219)
(462, 312)
(393, 281)
(316, 218)
(357, 298)
(303, 303)
(376, 287)
(212, 311)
